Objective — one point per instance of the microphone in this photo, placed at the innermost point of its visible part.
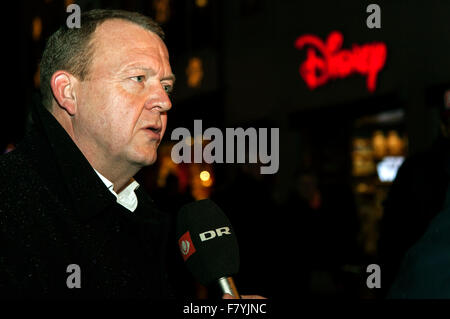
(208, 244)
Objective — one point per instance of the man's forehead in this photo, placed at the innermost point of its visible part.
(122, 42)
(121, 34)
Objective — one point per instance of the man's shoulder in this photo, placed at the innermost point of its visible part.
(20, 183)
(13, 166)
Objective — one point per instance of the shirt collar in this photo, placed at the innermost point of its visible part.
(105, 181)
(127, 197)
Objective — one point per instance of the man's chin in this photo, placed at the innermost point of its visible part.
(145, 162)
(142, 155)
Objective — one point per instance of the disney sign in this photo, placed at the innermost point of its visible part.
(334, 62)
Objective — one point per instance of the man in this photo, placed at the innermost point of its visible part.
(423, 273)
(415, 264)
(415, 198)
(73, 221)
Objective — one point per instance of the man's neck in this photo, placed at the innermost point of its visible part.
(120, 183)
(121, 178)
(119, 174)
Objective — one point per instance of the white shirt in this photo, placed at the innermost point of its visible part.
(127, 197)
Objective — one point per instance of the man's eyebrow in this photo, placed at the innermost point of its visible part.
(138, 67)
(170, 77)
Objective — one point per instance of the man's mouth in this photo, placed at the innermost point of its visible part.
(154, 131)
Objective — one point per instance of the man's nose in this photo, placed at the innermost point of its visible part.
(158, 99)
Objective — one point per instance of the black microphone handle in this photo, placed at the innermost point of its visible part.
(228, 287)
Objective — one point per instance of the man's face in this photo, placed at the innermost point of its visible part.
(123, 103)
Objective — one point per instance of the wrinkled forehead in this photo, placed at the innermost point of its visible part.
(116, 42)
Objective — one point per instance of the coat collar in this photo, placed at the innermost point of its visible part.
(61, 162)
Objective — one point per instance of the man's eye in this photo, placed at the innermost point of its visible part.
(138, 78)
(168, 89)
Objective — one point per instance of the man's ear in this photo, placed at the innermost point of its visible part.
(63, 86)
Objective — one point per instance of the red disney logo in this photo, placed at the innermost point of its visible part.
(365, 59)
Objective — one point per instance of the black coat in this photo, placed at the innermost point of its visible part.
(55, 211)
(415, 198)
(424, 272)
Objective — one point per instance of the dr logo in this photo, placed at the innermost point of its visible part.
(186, 246)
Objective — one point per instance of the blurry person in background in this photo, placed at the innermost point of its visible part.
(321, 222)
(303, 210)
(247, 200)
(416, 196)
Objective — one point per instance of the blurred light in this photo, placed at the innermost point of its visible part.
(68, 2)
(201, 3)
(394, 143)
(388, 167)
(379, 144)
(207, 183)
(162, 10)
(37, 78)
(36, 28)
(194, 72)
(199, 189)
(205, 176)
(362, 188)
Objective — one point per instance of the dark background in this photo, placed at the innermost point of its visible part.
(251, 79)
